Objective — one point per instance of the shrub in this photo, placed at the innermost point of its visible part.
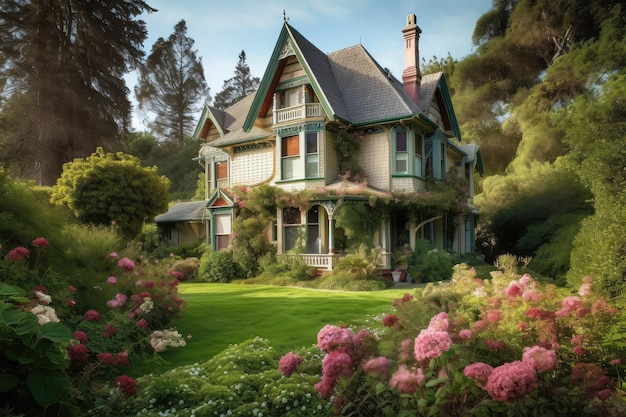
(500, 347)
(428, 262)
(218, 266)
(361, 264)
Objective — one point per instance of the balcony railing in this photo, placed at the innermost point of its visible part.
(300, 111)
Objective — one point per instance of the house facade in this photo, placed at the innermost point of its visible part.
(293, 134)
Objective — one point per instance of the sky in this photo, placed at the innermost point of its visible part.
(222, 29)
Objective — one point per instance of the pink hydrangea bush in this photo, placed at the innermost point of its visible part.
(483, 347)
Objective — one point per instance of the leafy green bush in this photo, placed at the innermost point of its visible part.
(428, 262)
(361, 264)
(218, 266)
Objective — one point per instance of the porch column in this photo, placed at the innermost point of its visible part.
(330, 210)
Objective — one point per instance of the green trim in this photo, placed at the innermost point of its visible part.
(206, 114)
(266, 81)
(300, 127)
(419, 119)
(216, 194)
(292, 83)
(299, 180)
(449, 107)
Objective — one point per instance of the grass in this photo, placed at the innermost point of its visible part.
(218, 315)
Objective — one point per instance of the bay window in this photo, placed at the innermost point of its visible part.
(290, 157)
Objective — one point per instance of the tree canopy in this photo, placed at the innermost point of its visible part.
(64, 75)
(239, 86)
(112, 188)
(171, 84)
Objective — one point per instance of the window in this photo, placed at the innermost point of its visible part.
(221, 170)
(442, 156)
(222, 231)
(291, 225)
(312, 155)
(418, 149)
(402, 155)
(290, 155)
(314, 243)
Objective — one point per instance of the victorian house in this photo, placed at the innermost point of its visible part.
(287, 135)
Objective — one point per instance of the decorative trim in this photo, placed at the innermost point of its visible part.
(251, 147)
(292, 83)
(287, 50)
(303, 127)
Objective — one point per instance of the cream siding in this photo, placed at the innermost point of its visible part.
(330, 168)
(252, 167)
(374, 159)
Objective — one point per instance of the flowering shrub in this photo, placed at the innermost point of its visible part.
(499, 347)
(51, 347)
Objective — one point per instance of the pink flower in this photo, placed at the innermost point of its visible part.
(514, 289)
(378, 367)
(126, 384)
(479, 372)
(585, 289)
(465, 334)
(616, 362)
(92, 315)
(578, 350)
(494, 345)
(80, 336)
(407, 380)
(71, 288)
(480, 325)
(109, 331)
(431, 344)
(112, 280)
(337, 364)
(539, 358)
(113, 255)
(439, 322)
(148, 284)
(288, 363)
(534, 312)
(122, 358)
(389, 320)
(493, 316)
(333, 337)
(78, 353)
(126, 264)
(18, 254)
(106, 358)
(40, 242)
(142, 323)
(511, 381)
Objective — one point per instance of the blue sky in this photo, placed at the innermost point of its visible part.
(221, 29)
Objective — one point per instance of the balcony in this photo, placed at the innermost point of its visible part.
(301, 111)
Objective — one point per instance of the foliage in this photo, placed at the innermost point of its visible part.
(361, 264)
(65, 66)
(218, 266)
(600, 160)
(242, 381)
(347, 145)
(65, 346)
(174, 160)
(171, 82)
(111, 188)
(239, 86)
(429, 263)
(499, 347)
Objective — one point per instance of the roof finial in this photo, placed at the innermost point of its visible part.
(285, 18)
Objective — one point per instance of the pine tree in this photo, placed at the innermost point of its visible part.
(66, 60)
(237, 87)
(171, 83)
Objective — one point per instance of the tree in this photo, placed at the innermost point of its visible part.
(171, 83)
(106, 187)
(64, 72)
(237, 87)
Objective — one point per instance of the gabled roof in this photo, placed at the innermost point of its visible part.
(225, 121)
(221, 197)
(351, 86)
(428, 88)
(183, 212)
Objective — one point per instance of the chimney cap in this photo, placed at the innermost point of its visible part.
(411, 23)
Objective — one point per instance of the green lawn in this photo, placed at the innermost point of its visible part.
(218, 315)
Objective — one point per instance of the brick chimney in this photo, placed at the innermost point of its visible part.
(411, 76)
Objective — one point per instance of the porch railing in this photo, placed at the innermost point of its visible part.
(316, 260)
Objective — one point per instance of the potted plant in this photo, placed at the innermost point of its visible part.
(400, 258)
